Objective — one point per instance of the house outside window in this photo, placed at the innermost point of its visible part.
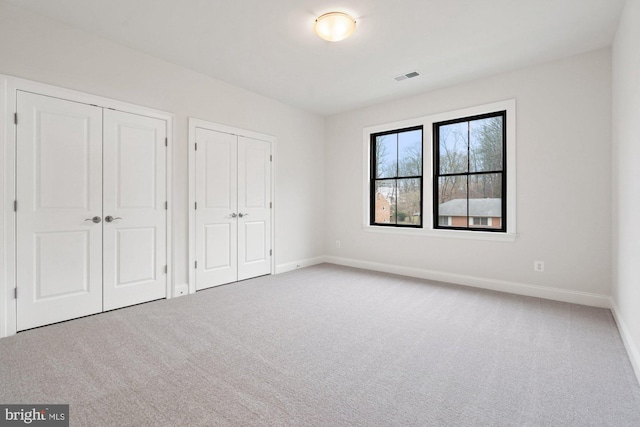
(382, 211)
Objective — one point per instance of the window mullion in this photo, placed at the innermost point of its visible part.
(468, 166)
(397, 156)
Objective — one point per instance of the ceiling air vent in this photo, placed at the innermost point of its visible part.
(410, 75)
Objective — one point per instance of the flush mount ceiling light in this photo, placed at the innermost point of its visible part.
(334, 26)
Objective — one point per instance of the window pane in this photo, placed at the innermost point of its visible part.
(410, 153)
(485, 144)
(485, 186)
(386, 147)
(485, 200)
(452, 187)
(385, 201)
(409, 210)
(454, 146)
(452, 192)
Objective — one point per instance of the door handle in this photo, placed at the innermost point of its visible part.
(96, 219)
(241, 215)
(233, 215)
(109, 218)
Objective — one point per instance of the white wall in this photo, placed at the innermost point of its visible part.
(626, 178)
(563, 185)
(43, 50)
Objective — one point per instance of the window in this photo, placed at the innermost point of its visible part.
(396, 178)
(468, 159)
(478, 220)
(469, 178)
(444, 220)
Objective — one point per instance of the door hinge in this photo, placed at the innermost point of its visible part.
(271, 157)
(15, 118)
(166, 269)
(15, 206)
(270, 252)
(270, 205)
(196, 205)
(166, 142)
(196, 263)
(15, 293)
(166, 205)
(196, 146)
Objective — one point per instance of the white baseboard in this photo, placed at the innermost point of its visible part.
(564, 295)
(290, 266)
(632, 349)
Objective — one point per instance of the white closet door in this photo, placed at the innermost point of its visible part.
(134, 209)
(216, 213)
(254, 210)
(59, 190)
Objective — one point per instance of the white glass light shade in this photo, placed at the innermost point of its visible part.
(334, 26)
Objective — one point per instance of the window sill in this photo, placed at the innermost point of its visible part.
(446, 234)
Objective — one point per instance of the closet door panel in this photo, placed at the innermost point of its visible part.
(134, 209)
(216, 213)
(254, 207)
(218, 246)
(59, 188)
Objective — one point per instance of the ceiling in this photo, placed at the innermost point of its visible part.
(268, 46)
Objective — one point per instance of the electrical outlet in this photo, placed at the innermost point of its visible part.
(338, 244)
(538, 266)
(182, 290)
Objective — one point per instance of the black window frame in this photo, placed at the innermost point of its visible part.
(436, 173)
(373, 179)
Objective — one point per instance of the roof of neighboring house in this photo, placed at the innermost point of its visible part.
(477, 207)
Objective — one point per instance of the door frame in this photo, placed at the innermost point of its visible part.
(9, 87)
(198, 123)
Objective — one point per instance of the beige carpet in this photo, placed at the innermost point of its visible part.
(331, 346)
